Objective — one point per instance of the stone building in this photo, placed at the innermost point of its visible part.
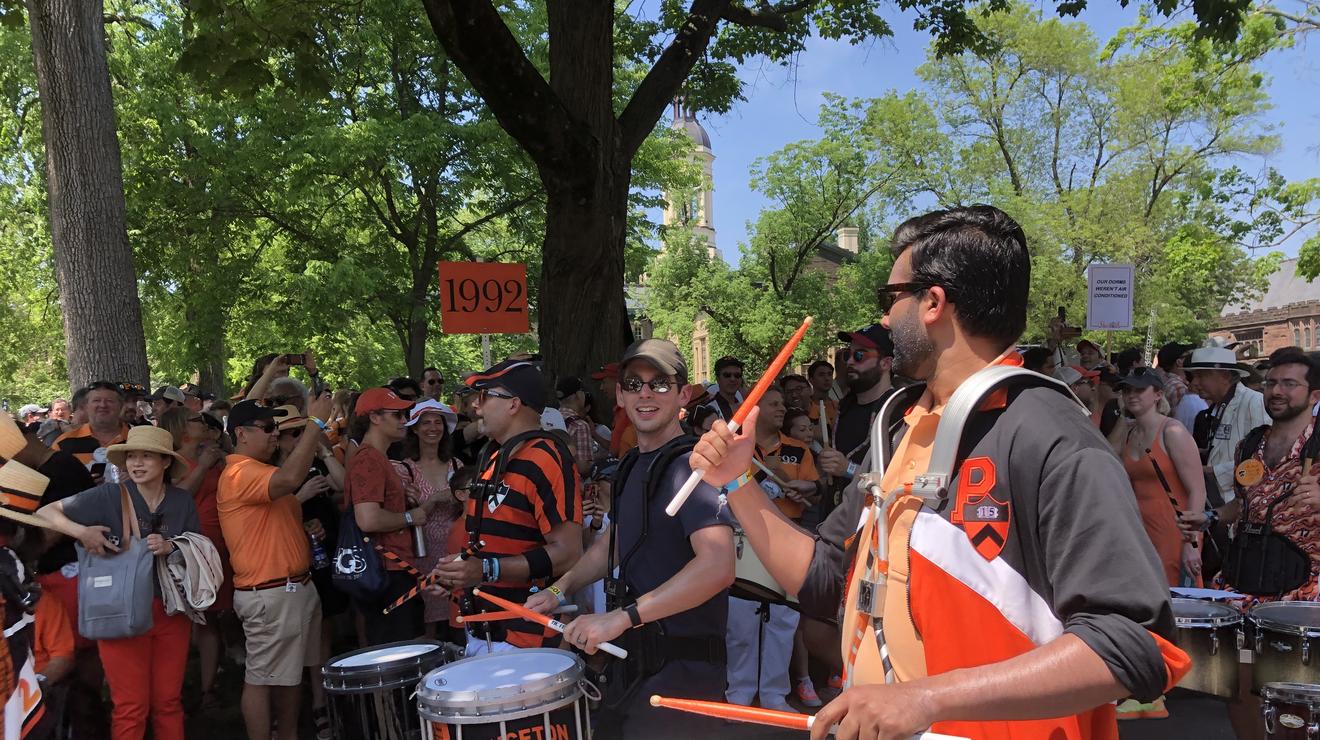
(1286, 314)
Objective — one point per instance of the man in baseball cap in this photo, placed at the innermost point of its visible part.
(165, 398)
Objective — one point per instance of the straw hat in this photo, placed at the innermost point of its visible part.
(290, 417)
(145, 439)
(11, 439)
(20, 493)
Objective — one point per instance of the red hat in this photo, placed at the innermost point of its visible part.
(609, 370)
(379, 399)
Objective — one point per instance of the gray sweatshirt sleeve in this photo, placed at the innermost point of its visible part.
(1107, 584)
(822, 591)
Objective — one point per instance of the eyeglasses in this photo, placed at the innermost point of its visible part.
(885, 295)
(731, 376)
(435, 381)
(485, 394)
(858, 355)
(633, 384)
(267, 426)
(1288, 385)
(294, 433)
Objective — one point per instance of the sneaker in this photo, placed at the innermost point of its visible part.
(1155, 710)
(836, 681)
(1130, 709)
(779, 706)
(806, 693)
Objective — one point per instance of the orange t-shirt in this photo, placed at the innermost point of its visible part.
(790, 460)
(53, 636)
(266, 538)
(623, 437)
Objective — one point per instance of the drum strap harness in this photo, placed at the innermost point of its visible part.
(1260, 561)
(649, 649)
(481, 491)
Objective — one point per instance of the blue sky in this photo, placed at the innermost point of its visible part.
(782, 104)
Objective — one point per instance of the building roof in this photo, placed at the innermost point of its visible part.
(1285, 288)
(686, 120)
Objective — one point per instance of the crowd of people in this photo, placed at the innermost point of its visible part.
(551, 496)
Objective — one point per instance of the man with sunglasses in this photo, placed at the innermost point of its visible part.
(1022, 598)
(433, 384)
(676, 570)
(382, 510)
(530, 519)
(261, 518)
(870, 359)
(729, 384)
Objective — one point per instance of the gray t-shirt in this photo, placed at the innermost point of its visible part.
(100, 505)
(666, 549)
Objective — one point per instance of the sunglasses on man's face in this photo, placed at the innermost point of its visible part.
(858, 355)
(633, 384)
(266, 426)
(484, 395)
(435, 381)
(731, 376)
(886, 295)
(294, 433)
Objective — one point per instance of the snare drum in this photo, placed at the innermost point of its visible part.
(752, 581)
(1292, 711)
(369, 691)
(1211, 634)
(534, 692)
(1287, 637)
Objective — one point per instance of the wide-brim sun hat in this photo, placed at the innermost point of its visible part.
(11, 437)
(21, 488)
(292, 418)
(1214, 358)
(433, 406)
(144, 439)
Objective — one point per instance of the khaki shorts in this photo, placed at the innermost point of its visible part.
(283, 633)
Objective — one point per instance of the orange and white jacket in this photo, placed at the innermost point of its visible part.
(1039, 535)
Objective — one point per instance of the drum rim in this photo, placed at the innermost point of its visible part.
(568, 699)
(1291, 692)
(401, 672)
(1229, 618)
(550, 689)
(1257, 618)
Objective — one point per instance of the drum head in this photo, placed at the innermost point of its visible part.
(1291, 617)
(380, 655)
(1292, 693)
(1195, 613)
(500, 686)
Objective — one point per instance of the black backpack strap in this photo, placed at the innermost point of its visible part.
(654, 474)
(1251, 442)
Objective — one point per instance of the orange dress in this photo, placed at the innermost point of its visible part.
(1157, 512)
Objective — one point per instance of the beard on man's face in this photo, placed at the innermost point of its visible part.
(912, 347)
(861, 381)
(1286, 412)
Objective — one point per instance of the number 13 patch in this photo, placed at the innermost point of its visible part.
(982, 516)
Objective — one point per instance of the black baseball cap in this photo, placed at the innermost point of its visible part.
(519, 377)
(874, 336)
(567, 386)
(1141, 377)
(245, 413)
(1169, 354)
(662, 354)
(728, 361)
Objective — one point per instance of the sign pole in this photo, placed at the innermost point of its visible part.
(485, 350)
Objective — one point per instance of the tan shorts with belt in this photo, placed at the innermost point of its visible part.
(283, 632)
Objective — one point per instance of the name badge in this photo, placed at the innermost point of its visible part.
(103, 581)
(290, 588)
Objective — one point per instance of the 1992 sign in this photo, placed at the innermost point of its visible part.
(483, 298)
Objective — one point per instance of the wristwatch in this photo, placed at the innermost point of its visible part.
(1211, 519)
(408, 517)
(634, 617)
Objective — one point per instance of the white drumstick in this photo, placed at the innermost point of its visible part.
(690, 484)
(824, 426)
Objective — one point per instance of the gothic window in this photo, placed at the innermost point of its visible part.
(1297, 336)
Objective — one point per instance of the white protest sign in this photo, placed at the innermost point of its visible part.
(1109, 297)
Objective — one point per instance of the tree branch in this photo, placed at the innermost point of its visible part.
(773, 18)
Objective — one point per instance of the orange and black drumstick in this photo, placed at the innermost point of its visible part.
(390, 556)
(423, 581)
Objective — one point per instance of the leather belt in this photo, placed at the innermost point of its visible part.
(277, 583)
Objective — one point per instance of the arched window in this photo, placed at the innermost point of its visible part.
(1308, 338)
(1297, 336)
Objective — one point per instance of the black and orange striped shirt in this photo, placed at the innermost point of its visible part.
(82, 444)
(540, 489)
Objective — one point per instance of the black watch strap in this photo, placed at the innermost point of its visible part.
(634, 617)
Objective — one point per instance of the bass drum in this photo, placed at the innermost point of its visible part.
(528, 693)
(1287, 643)
(1292, 711)
(369, 692)
(1211, 635)
(751, 579)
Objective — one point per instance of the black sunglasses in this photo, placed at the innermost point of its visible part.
(266, 426)
(482, 395)
(885, 295)
(633, 384)
(295, 433)
(858, 355)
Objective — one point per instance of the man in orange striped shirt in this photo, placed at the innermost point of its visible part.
(532, 522)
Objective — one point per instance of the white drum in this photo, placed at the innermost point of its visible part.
(369, 691)
(751, 579)
(535, 692)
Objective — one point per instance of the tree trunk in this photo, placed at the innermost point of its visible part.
(581, 294)
(93, 260)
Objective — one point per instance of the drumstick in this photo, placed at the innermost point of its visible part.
(423, 581)
(824, 426)
(543, 620)
(758, 716)
(778, 481)
(748, 404)
(498, 616)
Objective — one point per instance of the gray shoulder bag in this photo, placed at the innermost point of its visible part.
(115, 591)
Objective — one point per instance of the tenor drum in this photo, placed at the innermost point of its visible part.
(751, 580)
(529, 693)
(1211, 634)
(1287, 643)
(1292, 711)
(369, 691)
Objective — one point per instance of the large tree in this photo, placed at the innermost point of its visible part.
(84, 185)
(559, 96)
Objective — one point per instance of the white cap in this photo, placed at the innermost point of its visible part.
(31, 408)
(553, 420)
